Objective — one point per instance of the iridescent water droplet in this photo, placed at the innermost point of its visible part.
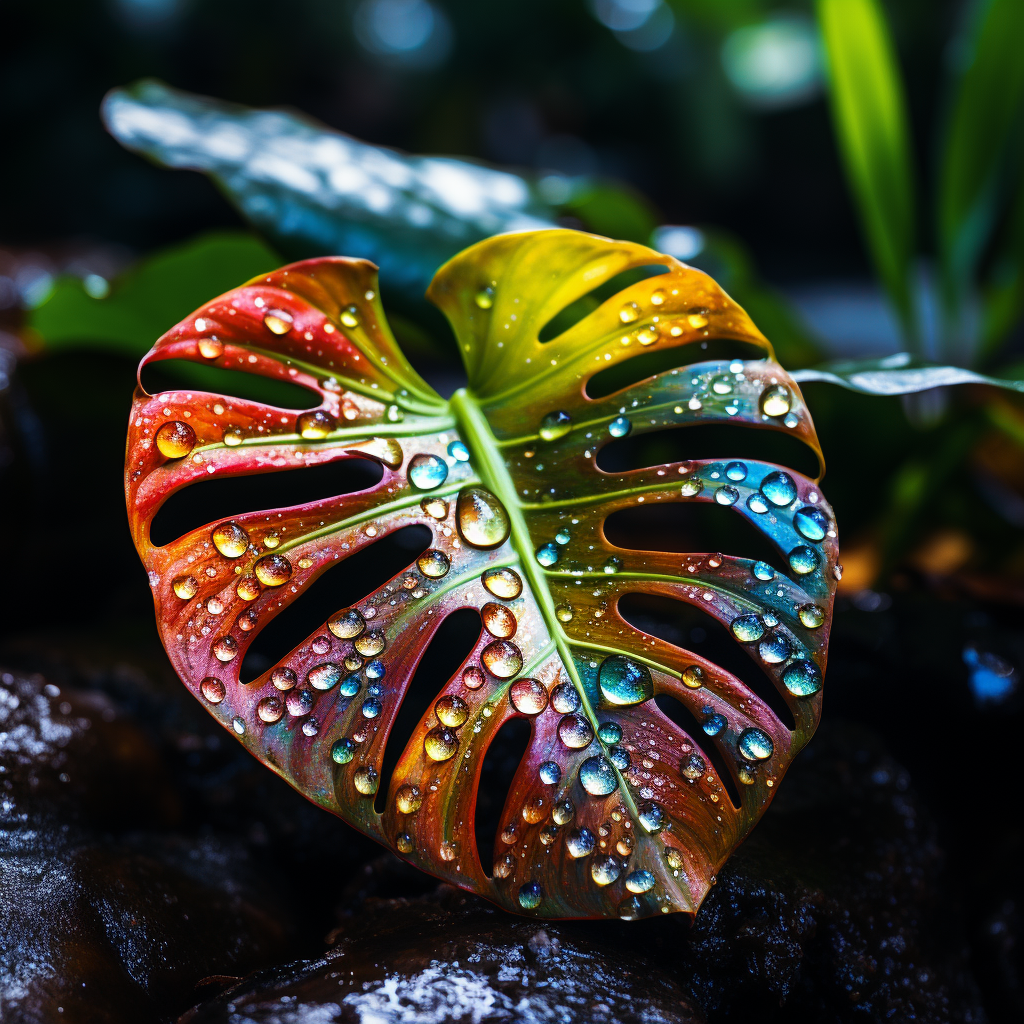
(580, 842)
(498, 620)
(433, 564)
(802, 678)
(283, 678)
(504, 583)
(693, 677)
(625, 682)
(609, 732)
(481, 518)
(779, 489)
(346, 624)
(369, 645)
(811, 615)
(427, 471)
(776, 400)
(436, 508)
(528, 696)
(547, 554)
(530, 895)
(619, 427)
(563, 811)
(575, 732)
(315, 425)
(619, 757)
(714, 723)
(652, 816)
(225, 648)
(299, 702)
(324, 676)
(185, 587)
(502, 659)
(440, 744)
(727, 495)
(366, 781)
(371, 707)
(597, 776)
(230, 540)
(342, 751)
(757, 504)
(811, 522)
(755, 745)
(691, 486)
(803, 560)
(273, 570)
(747, 628)
(350, 685)
(473, 678)
(549, 773)
(562, 537)
(774, 649)
(175, 439)
(605, 870)
(555, 425)
(458, 451)
(763, 571)
(404, 843)
(693, 767)
(248, 588)
(270, 709)
(238, 725)
(639, 881)
(212, 689)
(451, 711)
(565, 699)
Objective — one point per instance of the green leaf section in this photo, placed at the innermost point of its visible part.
(869, 112)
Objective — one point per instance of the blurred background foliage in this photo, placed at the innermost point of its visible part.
(850, 170)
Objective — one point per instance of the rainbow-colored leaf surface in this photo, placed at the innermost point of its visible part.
(615, 810)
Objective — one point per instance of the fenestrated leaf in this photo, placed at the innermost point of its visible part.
(899, 374)
(614, 809)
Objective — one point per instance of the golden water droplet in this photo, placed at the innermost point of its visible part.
(563, 812)
(534, 810)
(485, 297)
(504, 866)
(498, 620)
(271, 539)
(433, 564)
(175, 439)
(693, 677)
(440, 744)
(776, 401)
(451, 711)
(647, 335)
(230, 540)
(366, 781)
(436, 508)
(346, 624)
(305, 563)
(212, 689)
(386, 449)
(564, 613)
(314, 425)
(482, 519)
(657, 297)
(233, 437)
(270, 709)
(528, 696)
(408, 799)
(504, 583)
(697, 321)
(185, 587)
(369, 645)
(404, 843)
(225, 648)
(248, 588)
(246, 620)
(273, 570)
(211, 348)
(629, 312)
(502, 659)
(277, 321)
(349, 316)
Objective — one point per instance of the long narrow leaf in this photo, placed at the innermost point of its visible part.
(870, 120)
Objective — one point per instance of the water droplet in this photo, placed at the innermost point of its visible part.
(283, 678)
(779, 489)
(564, 613)
(371, 707)
(369, 645)
(549, 773)
(530, 895)
(485, 297)
(619, 427)
(225, 648)
(528, 696)
(440, 744)
(436, 508)
(366, 781)
(299, 702)
(755, 745)
(609, 732)
(774, 649)
(803, 560)
(763, 571)
(802, 678)
(562, 537)
(273, 570)
(693, 677)
(693, 767)
(346, 624)
(652, 816)
(555, 425)
(211, 348)
(232, 437)
(547, 554)
(427, 471)
(185, 587)
(451, 711)
(580, 842)
(811, 523)
(564, 811)
(598, 776)
(502, 659)
(548, 834)
(212, 689)
(238, 724)
(503, 583)
(504, 866)
(270, 709)
(473, 678)
(247, 620)
(619, 757)
(323, 677)
(776, 400)
(565, 699)
(747, 628)
(433, 564)
(811, 616)
(657, 297)
(612, 565)
(714, 723)
(175, 439)
(639, 881)
(727, 496)
(349, 316)
(277, 321)
(605, 870)
(625, 682)
(481, 518)
(458, 451)
(575, 732)
(498, 620)
(350, 685)
(408, 799)
(756, 503)
(691, 486)
(343, 751)
(697, 321)
(404, 843)
(510, 834)
(248, 588)
(230, 540)
(315, 425)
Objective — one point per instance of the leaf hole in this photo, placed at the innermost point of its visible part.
(690, 441)
(344, 584)
(208, 501)
(676, 711)
(177, 374)
(497, 773)
(450, 646)
(659, 360)
(684, 625)
(582, 307)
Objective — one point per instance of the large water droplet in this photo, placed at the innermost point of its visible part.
(763, 571)
(482, 519)
(757, 504)
(299, 702)
(451, 711)
(625, 682)
(349, 316)
(366, 781)
(427, 471)
(755, 745)
(440, 744)
(580, 842)
(629, 312)
(779, 489)
(639, 881)
(324, 676)
(736, 472)
(211, 348)
(693, 767)
(175, 439)
(776, 400)
(802, 678)
(811, 523)
(212, 689)
(369, 645)
(230, 540)
(565, 699)
(693, 677)
(727, 495)
(555, 425)
(652, 816)
(563, 812)
(691, 486)
(273, 570)
(609, 732)
(343, 751)
(528, 696)
(774, 649)
(530, 895)
(433, 564)
(811, 616)
(458, 451)
(605, 870)
(619, 757)
(714, 723)
(502, 659)
(473, 678)
(225, 648)
(598, 776)
(283, 678)
(346, 624)
(575, 732)
(503, 583)
(498, 620)
(747, 628)
(803, 560)
(350, 685)
(315, 425)
(277, 321)
(485, 297)
(408, 799)
(270, 709)
(185, 587)
(436, 508)
(619, 427)
(549, 773)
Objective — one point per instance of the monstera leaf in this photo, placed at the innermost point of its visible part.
(615, 809)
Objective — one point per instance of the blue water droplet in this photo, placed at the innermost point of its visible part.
(625, 682)
(639, 881)
(547, 554)
(427, 471)
(530, 895)
(609, 732)
(763, 571)
(580, 842)
(619, 427)
(774, 649)
(350, 685)
(747, 628)
(619, 758)
(652, 816)
(727, 496)
(714, 723)
(372, 707)
(756, 503)
(343, 751)
(802, 678)
(779, 489)
(736, 471)
(550, 774)
(755, 745)
(811, 523)
(323, 677)
(458, 451)
(375, 669)
(803, 560)
(598, 777)
(562, 537)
